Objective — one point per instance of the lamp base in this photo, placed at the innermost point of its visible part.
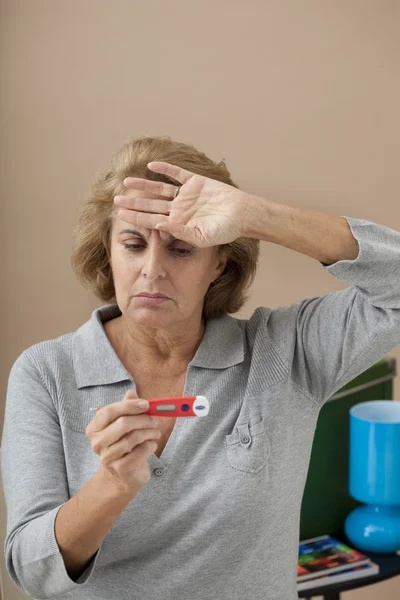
(374, 528)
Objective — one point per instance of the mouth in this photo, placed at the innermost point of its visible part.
(145, 295)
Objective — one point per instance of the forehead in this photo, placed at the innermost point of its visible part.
(121, 228)
(142, 232)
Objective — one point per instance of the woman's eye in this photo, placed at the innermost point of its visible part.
(180, 251)
(133, 246)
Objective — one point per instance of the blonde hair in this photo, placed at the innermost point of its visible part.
(92, 234)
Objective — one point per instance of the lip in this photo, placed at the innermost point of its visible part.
(146, 295)
(151, 300)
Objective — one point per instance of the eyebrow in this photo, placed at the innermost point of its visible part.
(133, 232)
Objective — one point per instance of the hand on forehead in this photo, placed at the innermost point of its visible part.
(164, 235)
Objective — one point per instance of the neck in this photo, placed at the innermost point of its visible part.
(145, 346)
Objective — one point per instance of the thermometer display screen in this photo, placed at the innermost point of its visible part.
(166, 407)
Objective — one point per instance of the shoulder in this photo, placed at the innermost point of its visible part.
(272, 329)
(57, 353)
(47, 356)
(274, 321)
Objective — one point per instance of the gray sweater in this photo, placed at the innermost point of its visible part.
(220, 516)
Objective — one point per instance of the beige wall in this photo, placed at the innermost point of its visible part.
(301, 98)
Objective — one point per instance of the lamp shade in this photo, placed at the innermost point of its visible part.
(374, 476)
(374, 462)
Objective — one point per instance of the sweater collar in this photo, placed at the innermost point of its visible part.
(96, 362)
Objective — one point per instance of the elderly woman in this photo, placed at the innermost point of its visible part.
(109, 504)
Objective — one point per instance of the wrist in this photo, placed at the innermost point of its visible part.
(116, 489)
(261, 216)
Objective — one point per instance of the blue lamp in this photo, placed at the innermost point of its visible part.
(374, 476)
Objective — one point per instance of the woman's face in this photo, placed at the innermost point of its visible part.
(147, 260)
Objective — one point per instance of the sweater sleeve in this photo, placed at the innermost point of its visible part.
(342, 334)
(35, 484)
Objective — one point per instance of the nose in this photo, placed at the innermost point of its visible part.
(153, 260)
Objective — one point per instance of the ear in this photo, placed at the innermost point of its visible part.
(220, 263)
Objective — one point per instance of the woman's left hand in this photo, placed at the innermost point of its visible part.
(205, 213)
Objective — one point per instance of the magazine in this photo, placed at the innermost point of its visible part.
(365, 570)
(325, 555)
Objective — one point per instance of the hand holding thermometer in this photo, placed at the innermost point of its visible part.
(185, 406)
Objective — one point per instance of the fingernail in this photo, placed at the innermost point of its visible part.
(143, 404)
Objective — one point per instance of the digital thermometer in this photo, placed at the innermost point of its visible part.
(185, 406)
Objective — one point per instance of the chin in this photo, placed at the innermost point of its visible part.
(151, 317)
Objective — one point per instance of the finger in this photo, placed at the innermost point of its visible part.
(135, 193)
(189, 233)
(177, 230)
(108, 414)
(173, 171)
(147, 187)
(144, 204)
(146, 220)
(118, 444)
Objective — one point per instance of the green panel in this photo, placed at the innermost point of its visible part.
(326, 501)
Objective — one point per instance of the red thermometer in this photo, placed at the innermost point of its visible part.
(185, 406)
